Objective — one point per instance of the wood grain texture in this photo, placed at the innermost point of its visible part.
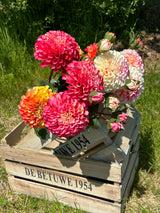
(76, 200)
(68, 181)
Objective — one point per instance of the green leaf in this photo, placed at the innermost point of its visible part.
(41, 133)
(96, 123)
(90, 99)
(53, 81)
(109, 123)
(107, 102)
(52, 87)
(94, 92)
(118, 119)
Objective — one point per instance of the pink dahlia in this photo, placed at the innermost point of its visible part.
(116, 126)
(57, 49)
(133, 59)
(113, 68)
(123, 117)
(65, 116)
(83, 78)
(32, 104)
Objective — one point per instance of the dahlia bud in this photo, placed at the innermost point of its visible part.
(105, 45)
(110, 36)
(113, 103)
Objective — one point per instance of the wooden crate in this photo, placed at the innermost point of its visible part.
(98, 183)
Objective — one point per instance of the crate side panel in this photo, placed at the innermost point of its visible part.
(14, 136)
(83, 167)
(130, 167)
(65, 180)
(73, 199)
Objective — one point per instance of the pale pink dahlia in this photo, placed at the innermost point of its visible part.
(65, 116)
(128, 96)
(83, 78)
(113, 69)
(133, 59)
(57, 49)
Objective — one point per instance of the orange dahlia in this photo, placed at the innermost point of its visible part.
(91, 50)
(56, 49)
(31, 105)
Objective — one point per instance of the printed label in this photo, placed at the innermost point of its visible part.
(58, 179)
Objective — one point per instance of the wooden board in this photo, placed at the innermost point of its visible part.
(85, 141)
(64, 180)
(90, 186)
(85, 167)
(76, 200)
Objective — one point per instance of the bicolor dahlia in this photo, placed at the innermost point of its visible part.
(133, 59)
(91, 50)
(57, 49)
(83, 78)
(31, 105)
(65, 116)
(113, 68)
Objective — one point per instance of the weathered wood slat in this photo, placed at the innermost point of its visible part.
(14, 136)
(85, 167)
(75, 200)
(65, 180)
(31, 141)
(130, 167)
(85, 141)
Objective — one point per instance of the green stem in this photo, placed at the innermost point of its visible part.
(50, 77)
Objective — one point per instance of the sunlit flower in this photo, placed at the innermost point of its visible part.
(98, 97)
(113, 103)
(123, 117)
(129, 96)
(113, 68)
(133, 85)
(57, 49)
(105, 45)
(91, 50)
(116, 126)
(32, 104)
(65, 116)
(83, 78)
(133, 59)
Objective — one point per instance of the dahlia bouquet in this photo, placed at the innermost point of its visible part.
(83, 86)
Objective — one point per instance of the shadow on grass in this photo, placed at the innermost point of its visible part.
(147, 154)
(146, 160)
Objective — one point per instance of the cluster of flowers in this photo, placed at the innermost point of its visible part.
(68, 105)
